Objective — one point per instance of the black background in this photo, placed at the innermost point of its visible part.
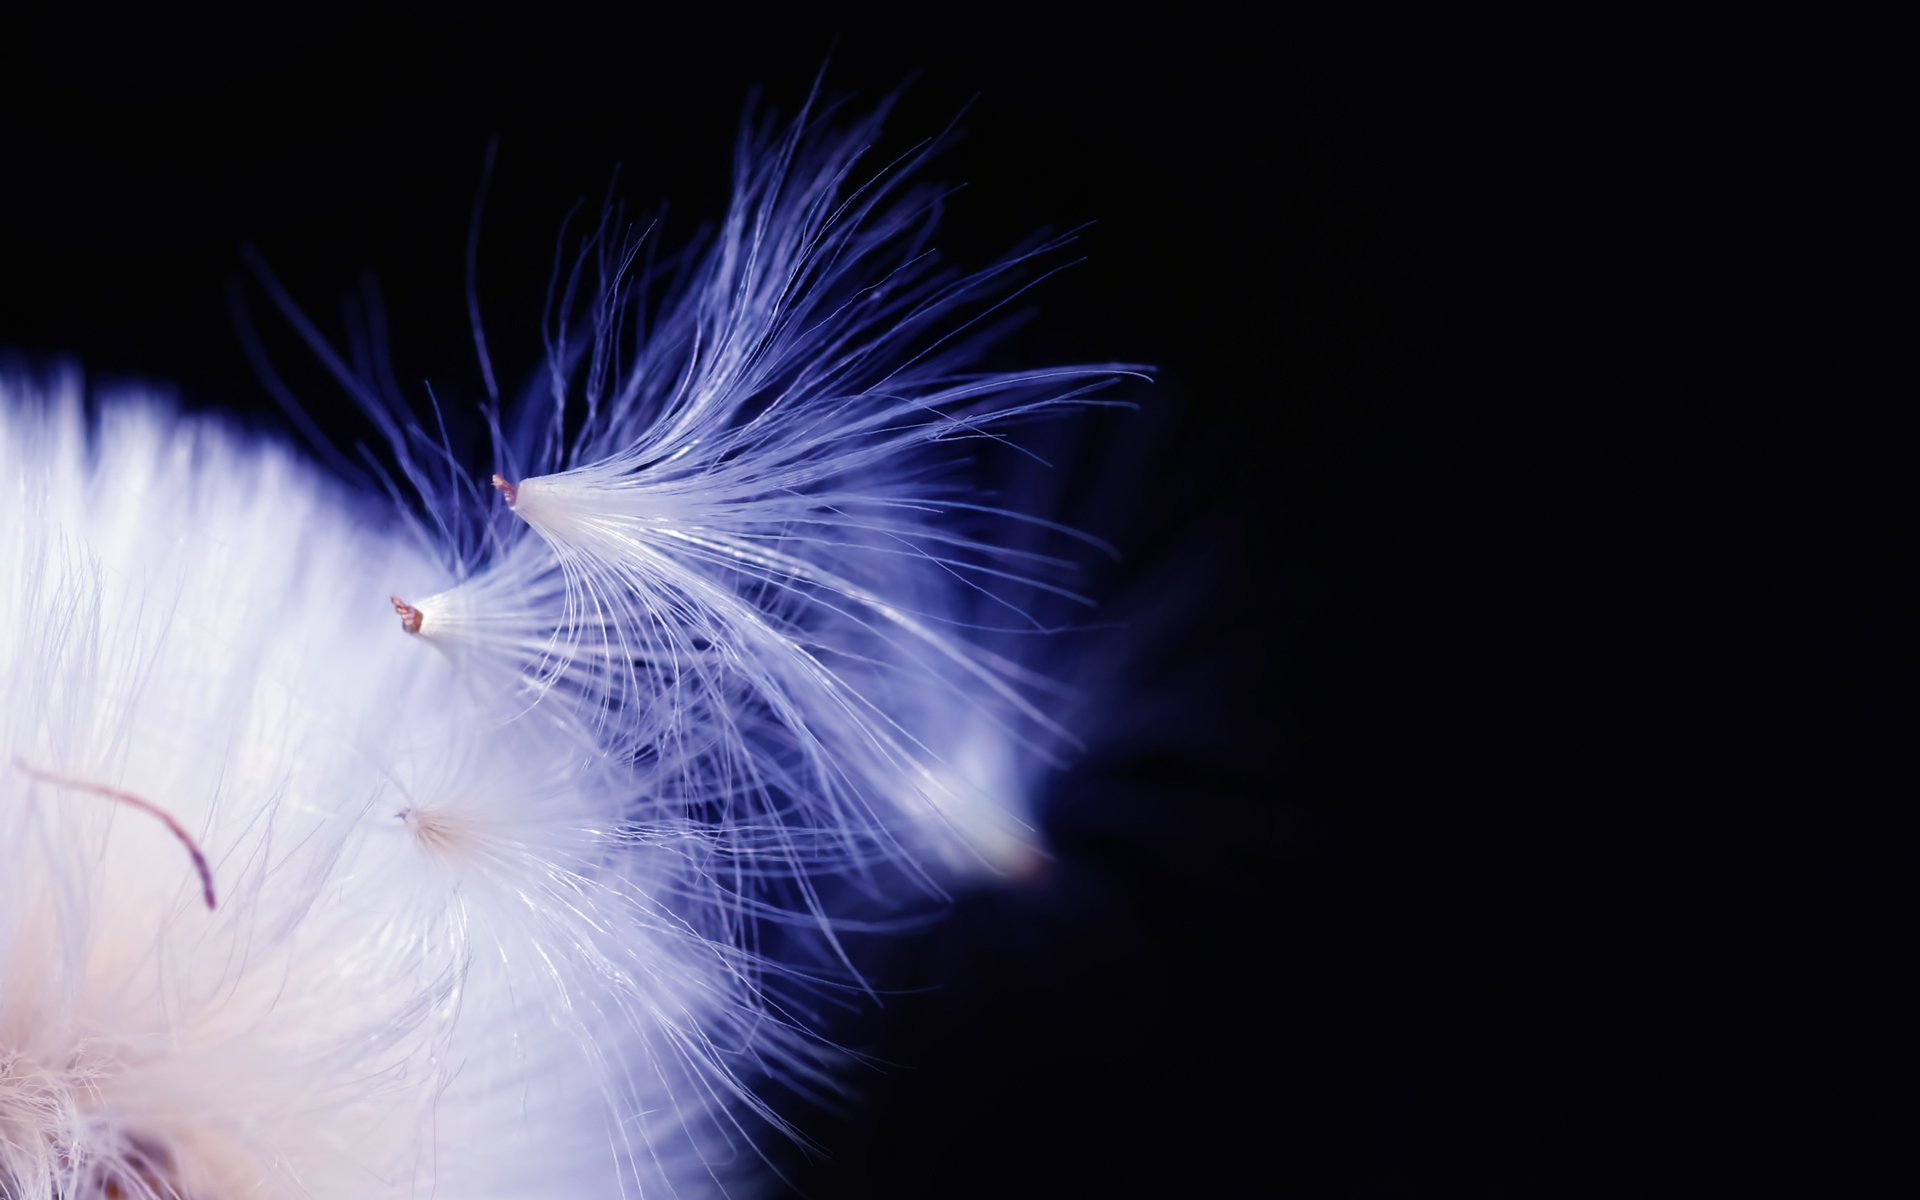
(1310, 940)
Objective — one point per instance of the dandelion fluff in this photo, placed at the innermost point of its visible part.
(529, 895)
(447, 947)
(762, 540)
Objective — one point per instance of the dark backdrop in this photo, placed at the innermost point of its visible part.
(1306, 942)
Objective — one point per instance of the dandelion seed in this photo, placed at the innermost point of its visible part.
(694, 703)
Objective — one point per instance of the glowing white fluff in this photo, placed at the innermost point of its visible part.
(446, 950)
(486, 894)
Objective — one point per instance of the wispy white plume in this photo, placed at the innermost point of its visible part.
(524, 893)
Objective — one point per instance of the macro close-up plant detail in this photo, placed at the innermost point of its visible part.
(531, 887)
(801, 606)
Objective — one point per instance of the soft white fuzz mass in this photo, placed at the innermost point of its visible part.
(523, 882)
(422, 968)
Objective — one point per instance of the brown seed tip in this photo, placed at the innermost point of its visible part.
(409, 615)
(506, 489)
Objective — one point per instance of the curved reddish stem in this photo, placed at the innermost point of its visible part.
(128, 798)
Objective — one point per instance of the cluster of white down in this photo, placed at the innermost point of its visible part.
(298, 900)
(450, 948)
